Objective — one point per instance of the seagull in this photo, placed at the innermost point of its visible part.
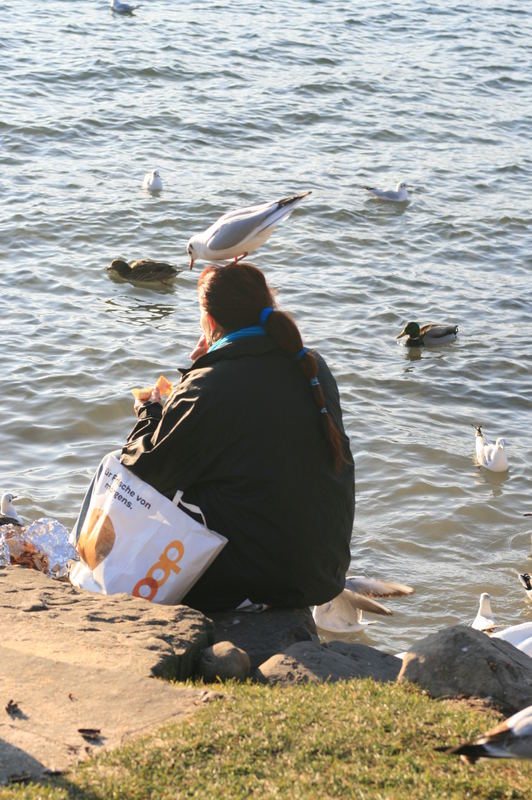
(397, 195)
(122, 8)
(527, 584)
(432, 333)
(238, 233)
(144, 269)
(518, 635)
(343, 614)
(8, 512)
(511, 739)
(484, 620)
(491, 456)
(152, 181)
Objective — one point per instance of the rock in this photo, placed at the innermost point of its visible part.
(462, 662)
(117, 632)
(263, 634)
(311, 662)
(224, 661)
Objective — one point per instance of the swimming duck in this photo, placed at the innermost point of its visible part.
(8, 512)
(144, 269)
(484, 620)
(488, 455)
(511, 739)
(343, 614)
(428, 334)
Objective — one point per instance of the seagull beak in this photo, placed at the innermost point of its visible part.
(403, 333)
(191, 262)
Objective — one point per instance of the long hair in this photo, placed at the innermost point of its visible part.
(235, 295)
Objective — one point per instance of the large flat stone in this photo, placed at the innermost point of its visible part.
(54, 699)
(264, 634)
(51, 618)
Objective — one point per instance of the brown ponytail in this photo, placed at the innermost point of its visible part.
(235, 295)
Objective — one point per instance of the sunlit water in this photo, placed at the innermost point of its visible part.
(244, 102)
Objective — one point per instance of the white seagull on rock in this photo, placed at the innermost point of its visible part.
(8, 512)
(122, 8)
(511, 739)
(488, 455)
(484, 620)
(343, 614)
(238, 233)
(152, 181)
(397, 195)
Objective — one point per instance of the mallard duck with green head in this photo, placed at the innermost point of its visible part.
(432, 333)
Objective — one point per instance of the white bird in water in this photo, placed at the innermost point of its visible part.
(489, 455)
(397, 195)
(8, 512)
(238, 233)
(343, 614)
(526, 582)
(484, 620)
(122, 8)
(511, 739)
(152, 181)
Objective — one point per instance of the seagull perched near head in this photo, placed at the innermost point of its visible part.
(397, 195)
(8, 512)
(236, 234)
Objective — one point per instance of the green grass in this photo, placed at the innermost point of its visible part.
(357, 739)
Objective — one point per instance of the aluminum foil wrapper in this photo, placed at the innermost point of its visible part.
(43, 545)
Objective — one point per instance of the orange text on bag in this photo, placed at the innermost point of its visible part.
(148, 586)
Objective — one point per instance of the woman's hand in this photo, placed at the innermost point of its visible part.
(154, 397)
(200, 349)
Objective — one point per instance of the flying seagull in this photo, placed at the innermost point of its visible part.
(397, 195)
(238, 233)
(511, 739)
(343, 614)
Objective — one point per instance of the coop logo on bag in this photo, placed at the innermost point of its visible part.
(158, 573)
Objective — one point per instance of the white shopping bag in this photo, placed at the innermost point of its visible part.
(137, 541)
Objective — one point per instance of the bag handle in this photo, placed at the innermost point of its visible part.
(177, 499)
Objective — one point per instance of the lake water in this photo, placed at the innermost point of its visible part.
(242, 102)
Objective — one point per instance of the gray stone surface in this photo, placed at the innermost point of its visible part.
(223, 661)
(54, 699)
(311, 662)
(462, 662)
(51, 618)
(71, 659)
(264, 634)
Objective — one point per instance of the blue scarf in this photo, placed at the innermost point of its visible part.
(253, 330)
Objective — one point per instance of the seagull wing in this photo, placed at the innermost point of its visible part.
(365, 603)
(374, 587)
(237, 227)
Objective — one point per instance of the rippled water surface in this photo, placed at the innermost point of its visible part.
(242, 102)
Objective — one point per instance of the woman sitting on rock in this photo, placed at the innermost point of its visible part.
(253, 435)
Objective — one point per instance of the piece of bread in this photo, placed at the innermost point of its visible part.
(97, 538)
